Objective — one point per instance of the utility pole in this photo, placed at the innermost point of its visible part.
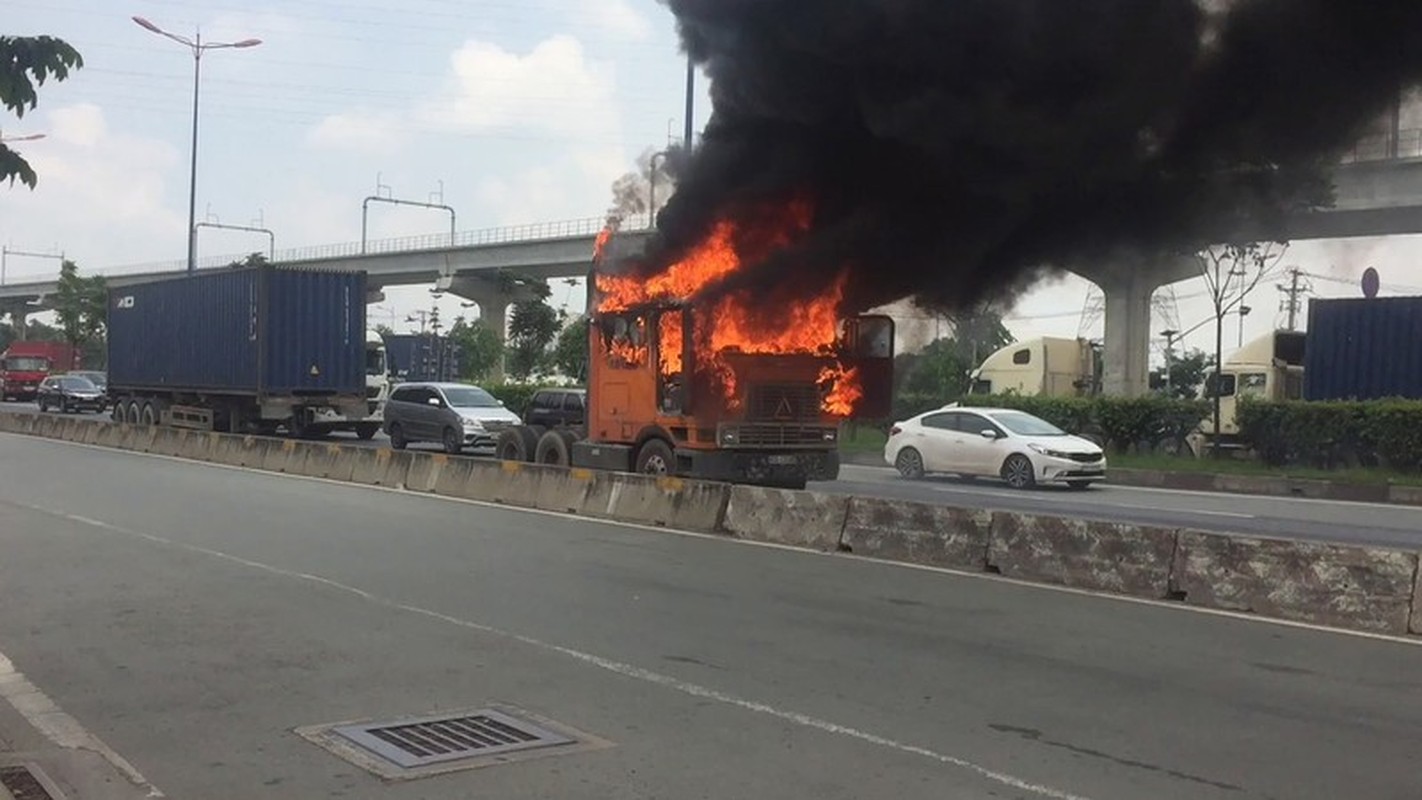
(1293, 293)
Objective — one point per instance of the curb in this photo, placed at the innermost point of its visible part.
(1373, 590)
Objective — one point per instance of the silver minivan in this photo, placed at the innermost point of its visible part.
(456, 415)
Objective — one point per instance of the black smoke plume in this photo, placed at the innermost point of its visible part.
(953, 149)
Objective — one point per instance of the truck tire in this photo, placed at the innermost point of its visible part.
(116, 413)
(366, 431)
(151, 415)
(130, 412)
(555, 448)
(655, 457)
(519, 443)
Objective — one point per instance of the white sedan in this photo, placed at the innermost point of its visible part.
(995, 442)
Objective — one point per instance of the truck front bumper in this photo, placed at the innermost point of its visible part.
(769, 468)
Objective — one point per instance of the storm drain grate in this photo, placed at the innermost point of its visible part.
(433, 740)
(23, 785)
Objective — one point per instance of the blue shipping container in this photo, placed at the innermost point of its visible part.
(1363, 349)
(422, 357)
(251, 331)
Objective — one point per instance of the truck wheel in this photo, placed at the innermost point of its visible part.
(453, 441)
(656, 458)
(516, 444)
(554, 447)
(151, 414)
(116, 413)
(130, 412)
(397, 437)
(365, 432)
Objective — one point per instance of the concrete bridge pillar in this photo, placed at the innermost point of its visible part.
(1128, 289)
(493, 298)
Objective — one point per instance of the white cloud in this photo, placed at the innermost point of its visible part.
(99, 198)
(356, 132)
(619, 18)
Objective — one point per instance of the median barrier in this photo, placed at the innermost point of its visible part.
(782, 516)
(308, 459)
(424, 471)
(169, 441)
(272, 455)
(452, 480)
(1105, 556)
(1414, 624)
(68, 430)
(1359, 588)
(917, 533)
(139, 438)
(227, 449)
(509, 483)
(1404, 495)
(566, 490)
(93, 431)
(661, 501)
(380, 467)
(335, 462)
(47, 426)
(110, 435)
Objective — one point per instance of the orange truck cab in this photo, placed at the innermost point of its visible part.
(658, 405)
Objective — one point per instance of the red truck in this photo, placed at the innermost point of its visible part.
(25, 364)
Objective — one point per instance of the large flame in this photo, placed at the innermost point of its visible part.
(804, 325)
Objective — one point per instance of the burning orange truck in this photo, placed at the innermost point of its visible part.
(722, 389)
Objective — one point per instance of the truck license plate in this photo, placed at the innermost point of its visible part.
(781, 460)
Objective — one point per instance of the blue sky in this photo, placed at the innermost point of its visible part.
(525, 110)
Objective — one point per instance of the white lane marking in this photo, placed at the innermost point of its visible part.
(610, 665)
(65, 731)
(612, 523)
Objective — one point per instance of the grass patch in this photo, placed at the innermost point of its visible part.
(1236, 466)
(862, 439)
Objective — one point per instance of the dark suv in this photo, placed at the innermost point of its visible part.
(557, 408)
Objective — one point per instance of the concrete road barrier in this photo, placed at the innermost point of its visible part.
(918, 533)
(781, 516)
(566, 491)
(271, 455)
(169, 441)
(424, 471)
(1405, 495)
(140, 439)
(1360, 588)
(668, 502)
(380, 466)
(111, 434)
(1125, 559)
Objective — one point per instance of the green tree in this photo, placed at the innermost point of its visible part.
(570, 354)
(80, 306)
(385, 330)
(479, 349)
(251, 260)
(1187, 374)
(533, 324)
(26, 62)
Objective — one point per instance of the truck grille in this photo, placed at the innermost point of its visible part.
(784, 436)
(372, 392)
(796, 402)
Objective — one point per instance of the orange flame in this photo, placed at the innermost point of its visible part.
(806, 325)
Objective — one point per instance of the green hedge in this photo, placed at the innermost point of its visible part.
(1328, 435)
(1122, 424)
(514, 395)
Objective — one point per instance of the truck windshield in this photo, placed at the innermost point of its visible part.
(469, 397)
(27, 364)
(375, 361)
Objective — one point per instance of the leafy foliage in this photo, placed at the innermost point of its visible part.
(26, 62)
(1329, 435)
(570, 353)
(251, 260)
(479, 349)
(515, 396)
(81, 305)
(939, 374)
(533, 324)
(1187, 375)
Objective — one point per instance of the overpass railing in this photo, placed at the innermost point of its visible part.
(1380, 147)
(507, 234)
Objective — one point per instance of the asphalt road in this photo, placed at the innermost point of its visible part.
(193, 616)
(1297, 518)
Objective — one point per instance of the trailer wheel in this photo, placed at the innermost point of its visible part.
(554, 447)
(366, 431)
(151, 414)
(655, 457)
(116, 413)
(130, 412)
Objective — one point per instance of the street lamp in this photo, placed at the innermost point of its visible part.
(198, 47)
(1243, 312)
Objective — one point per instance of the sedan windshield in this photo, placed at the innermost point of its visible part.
(469, 397)
(1026, 424)
(75, 384)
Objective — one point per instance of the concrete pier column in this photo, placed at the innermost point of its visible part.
(493, 299)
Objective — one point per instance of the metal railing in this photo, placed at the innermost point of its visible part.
(1382, 147)
(508, 234)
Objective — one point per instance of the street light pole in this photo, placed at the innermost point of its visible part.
(198, 47)
(690, 102)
